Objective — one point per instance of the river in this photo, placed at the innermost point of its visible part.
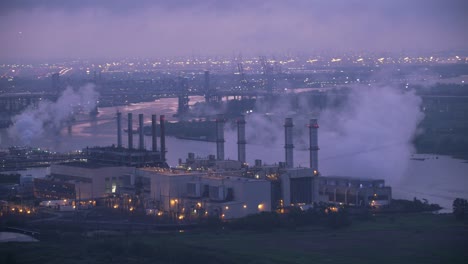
(439, 179)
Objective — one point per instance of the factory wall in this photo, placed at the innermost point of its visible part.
(223, 196)
(299, 186)
(249, 196)
(355, 191)
(93, 182)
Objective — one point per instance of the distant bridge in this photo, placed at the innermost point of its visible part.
(16, 102)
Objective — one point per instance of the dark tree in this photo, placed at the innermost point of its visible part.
(460, 208)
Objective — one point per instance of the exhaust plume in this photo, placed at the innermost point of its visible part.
(51, 117)
(369, 134)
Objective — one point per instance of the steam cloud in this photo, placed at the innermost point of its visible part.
(49, 116)
(369, 136)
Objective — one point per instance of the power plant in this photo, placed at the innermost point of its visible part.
(222, 188)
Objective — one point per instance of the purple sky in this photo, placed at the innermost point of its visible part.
(50, 29)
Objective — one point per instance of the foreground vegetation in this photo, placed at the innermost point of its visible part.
(408, 238)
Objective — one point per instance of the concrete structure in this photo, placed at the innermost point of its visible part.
(162, 120)
(154, 138)
(220, 137)
(210, 162)
(184, 193)
(113, 156)
(299, 186)
(130, 131)
(53, 190)
(355, 191)
(119, 129)
(141, 137)
(92, 180)
(288, 142)
(313, 145)
(241, 155)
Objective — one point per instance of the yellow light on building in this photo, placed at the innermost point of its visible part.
(29, 211)
(181, 217)
(227, 207)
(199, 204)
(245, 206)
(116, 206)
(260, 207)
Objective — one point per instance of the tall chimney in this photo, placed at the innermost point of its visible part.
(119, 129)
(130, 131)
(163, 137)
(220, 137)
(241, 139)
(313, 145)
(207, 86)
(207, 81)
(288, 142)
(141, 130)
(154, 138)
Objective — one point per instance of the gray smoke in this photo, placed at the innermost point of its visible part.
(372, 135)
(49, 116)
(368, 136)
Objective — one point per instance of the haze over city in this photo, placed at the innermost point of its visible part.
(49, 29)
(302, 131)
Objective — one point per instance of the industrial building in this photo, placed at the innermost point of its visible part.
(208, 186)
(185, 193)
(292, 186)
(105, 170)
(93, 180)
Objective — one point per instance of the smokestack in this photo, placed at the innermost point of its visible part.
(313, 145)
(207, 81)
(141, 129)
(163, 137)
(130, 131)
(207, 86)
(220, 137)
(288, 142)
(241, 139)
(119, 129)
(154, 138)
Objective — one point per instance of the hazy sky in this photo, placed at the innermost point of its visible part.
(48, 29)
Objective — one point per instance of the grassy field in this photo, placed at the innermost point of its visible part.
(412, 238)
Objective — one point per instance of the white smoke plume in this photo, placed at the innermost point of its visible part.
(368, 136)
(49, 116)
(372, 135)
